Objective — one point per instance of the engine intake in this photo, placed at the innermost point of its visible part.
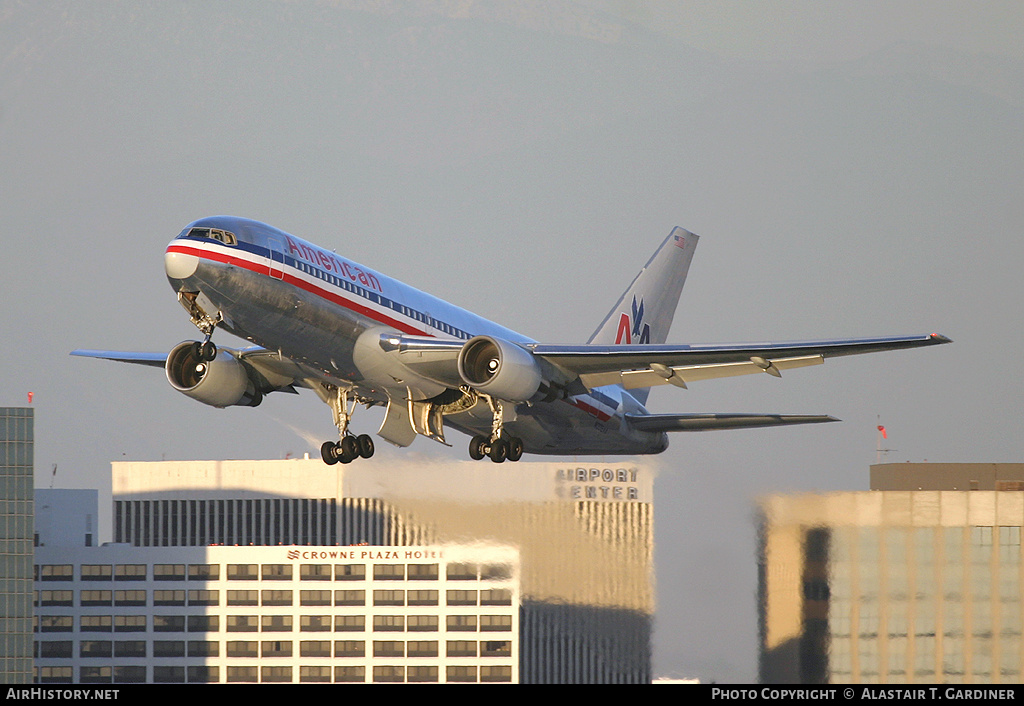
(221, 382)
(500, 368)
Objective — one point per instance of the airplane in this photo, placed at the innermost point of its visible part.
(355, 336)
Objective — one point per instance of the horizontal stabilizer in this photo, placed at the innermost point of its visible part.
(156, 360)
(709, 422)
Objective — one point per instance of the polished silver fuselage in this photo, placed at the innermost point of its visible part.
(316, 309)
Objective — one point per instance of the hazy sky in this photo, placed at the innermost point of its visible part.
(853, 169)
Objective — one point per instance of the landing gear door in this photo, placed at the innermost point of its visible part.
(276, 262)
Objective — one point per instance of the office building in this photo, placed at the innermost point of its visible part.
(16, 473)
(897, 585)
(283, 614)
(584, 535)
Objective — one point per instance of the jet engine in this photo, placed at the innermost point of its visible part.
(500, 369)
(221, 382)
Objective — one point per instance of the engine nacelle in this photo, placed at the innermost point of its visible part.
(500, 368)
(221, 382)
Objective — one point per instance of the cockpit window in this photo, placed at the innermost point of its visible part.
(223, 236)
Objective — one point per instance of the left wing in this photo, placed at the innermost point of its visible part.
(707, 422)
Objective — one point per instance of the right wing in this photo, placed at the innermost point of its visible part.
(707, 422)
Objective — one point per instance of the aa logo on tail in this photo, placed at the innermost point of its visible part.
(631, 328)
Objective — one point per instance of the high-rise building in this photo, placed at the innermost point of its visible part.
(584, 535)
(897, 585)
(16, 473)
(277, 614)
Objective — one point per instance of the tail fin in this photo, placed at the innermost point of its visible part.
(644, 312)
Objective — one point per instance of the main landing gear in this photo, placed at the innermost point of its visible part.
(499, 445)
(347, 450)
(350, 447)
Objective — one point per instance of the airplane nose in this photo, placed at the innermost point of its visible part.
(179, 265)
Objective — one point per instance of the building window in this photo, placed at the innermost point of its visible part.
(168, 675)
(129, 675)
(168, 597)
(93, 648)
(276, 623)
(242, 623)
(275, 674)
(94, 623)
(203, 623)
(315, 648)
(203, 572)
(349, 648)
(423, 572)
(130, 648)
(203, 648)
(315, 623)
(350, 597)
(202, 674)
(423, 597)
(314, 597)
(388, 648)
(56, 598)
(388, 597)
(349, 572)
(314, 674)
(349, 674)
(51, 649)
(496, 673)
(95, 675)
(203, 597)
(388, 623)
(59, 623)
(129, 623)
(495, 623)
(277, 598)
(57, 572)
(462, 623)
(496, 596)
(97, 572)
(130, 598)
(243, 674)
(277, 648)
(496, 648)
(461, 648)
(389, 572)
(96, 598)
(422, 623)
(459, 597)
(169, 648)
(168, 572)
(389, 673)
(495, 572)
(168, 623)
(462, 572)
(461, 674)
(130, 572)
(277, 572)
(349, 623)
(242, 648)
(243, 597)
(242, 572)
(422, 648)
(315, 572)
(57, 675)
(422, 674)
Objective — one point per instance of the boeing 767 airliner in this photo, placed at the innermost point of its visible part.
(355, 336)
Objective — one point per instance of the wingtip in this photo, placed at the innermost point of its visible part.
(939, 338)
